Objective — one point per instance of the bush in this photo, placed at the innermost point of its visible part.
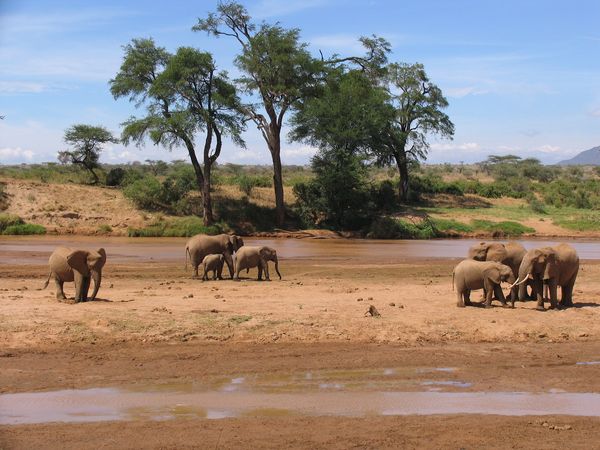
(24, 229)
(248, 182)
(505, 228)
(184, 227)
(115, 176)
(390, 228)
(8, 220)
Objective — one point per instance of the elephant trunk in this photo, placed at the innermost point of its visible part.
(97, 277)
(277, 267)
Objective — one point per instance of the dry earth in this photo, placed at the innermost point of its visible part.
(154, 324)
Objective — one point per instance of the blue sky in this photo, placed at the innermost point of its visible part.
(522, 77)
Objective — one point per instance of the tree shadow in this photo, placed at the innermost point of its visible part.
(583, 305)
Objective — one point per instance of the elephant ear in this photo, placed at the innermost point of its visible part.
(235, 242)
(77, 260)
(266, 253)
(492, 274)
(239, 243)
(102, 259)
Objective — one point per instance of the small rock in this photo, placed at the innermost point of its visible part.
(545, 424)
(542, 335)
(218, 296)
(111, 286)
(493, 321)
(370, 298)
(214, 311)
(392, 304)
(582, 335)
(190, 295)
(359, 299)
(401, 306)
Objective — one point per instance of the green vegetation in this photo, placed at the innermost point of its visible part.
(180, 227)
(14, 225)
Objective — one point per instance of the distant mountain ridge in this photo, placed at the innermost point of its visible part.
(589, 157)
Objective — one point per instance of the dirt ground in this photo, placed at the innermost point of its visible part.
(152, 323)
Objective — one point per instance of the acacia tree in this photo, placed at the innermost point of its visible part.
(418, 105)
(276, 68)
(87, 142)
(183, 95)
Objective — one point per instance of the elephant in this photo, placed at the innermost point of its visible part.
(252, 256)
(510, 254)
(212, 263)
(76, 265)
(197, 247)
(470, 275)
(554, 266)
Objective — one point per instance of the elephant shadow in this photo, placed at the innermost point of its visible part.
(585, 305)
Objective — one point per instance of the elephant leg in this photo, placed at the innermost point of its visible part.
(229, 262)
(204, 274)
(214, 274)
(195, 271)
(500, 295)
(60, 293)
(237, 272)
(460, 300)
(553, 290)
(467, 295)
(489, 293)
(538, 287)
(567, 293)
(266, 269)
(260, 272)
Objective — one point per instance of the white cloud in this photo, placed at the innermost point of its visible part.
(304, 151)
(19, 87)
(549, 149)
(459, 92)
(15, 155)
(465, 147)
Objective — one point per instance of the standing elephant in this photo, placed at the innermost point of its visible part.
(470, 275)
(554, 266)
(248, 257)
(197, 247)
(212, 263)
(510, 254)
(80, 266)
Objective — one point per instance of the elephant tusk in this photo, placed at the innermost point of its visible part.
(519, 282)
(514, 284)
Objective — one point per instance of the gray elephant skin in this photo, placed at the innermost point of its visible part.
(250, 256)
(214, 264)
(80, 266)
(197, 247)
(510, 254)
(553, 267)
(471, 275)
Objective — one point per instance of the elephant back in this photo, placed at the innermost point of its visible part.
(59, 265)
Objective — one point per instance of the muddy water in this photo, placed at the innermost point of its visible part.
(34, 250)
(104, 404)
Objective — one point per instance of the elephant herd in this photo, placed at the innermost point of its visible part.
(542, 269)
(208, 252)
(486, 267)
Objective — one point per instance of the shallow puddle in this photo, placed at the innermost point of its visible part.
(110, 404)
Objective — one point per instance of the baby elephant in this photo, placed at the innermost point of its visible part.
(80, 266)
(248, 257)
(212, 263)
(469, 275)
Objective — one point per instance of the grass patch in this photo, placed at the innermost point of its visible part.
(588, 222)
(105, 228)
(180, 227)
(13, 225)
(448, 225)
(507, 228)
(240, 319)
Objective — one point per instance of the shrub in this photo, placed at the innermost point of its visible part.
(184, 227)
(24, 229)
(390, 228)
(248, 182)
(536, 205)
(145, 193)
(8, 220)
(115, 176)
(505, 228)
(105, 228)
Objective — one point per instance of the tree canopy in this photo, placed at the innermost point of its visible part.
(86, 142)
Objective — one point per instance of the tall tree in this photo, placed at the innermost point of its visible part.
(183, 95)
(418, 105)
(276, 68)
(87, 142)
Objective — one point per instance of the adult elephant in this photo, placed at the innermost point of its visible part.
(249, 257)
(80, 266)
(554, 266)
(197, 247)
(510, 254)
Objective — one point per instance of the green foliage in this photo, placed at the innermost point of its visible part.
(115, 176)
(183, 227)
(583, 194)
(390, 228)
(338, 195)
(536, 205)
(13, 225)
(169, 196)
(449, 225)
(248, 182)
(579, 222)
(87, 142)
(505, 228)
(105, 228)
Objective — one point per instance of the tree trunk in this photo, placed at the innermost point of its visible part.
(402, 164)
(275, 148)
(206, 200)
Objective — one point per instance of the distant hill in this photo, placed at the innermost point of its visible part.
(589, 157)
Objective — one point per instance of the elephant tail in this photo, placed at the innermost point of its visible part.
(47, 281)
(453, 281)
(187, 253)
